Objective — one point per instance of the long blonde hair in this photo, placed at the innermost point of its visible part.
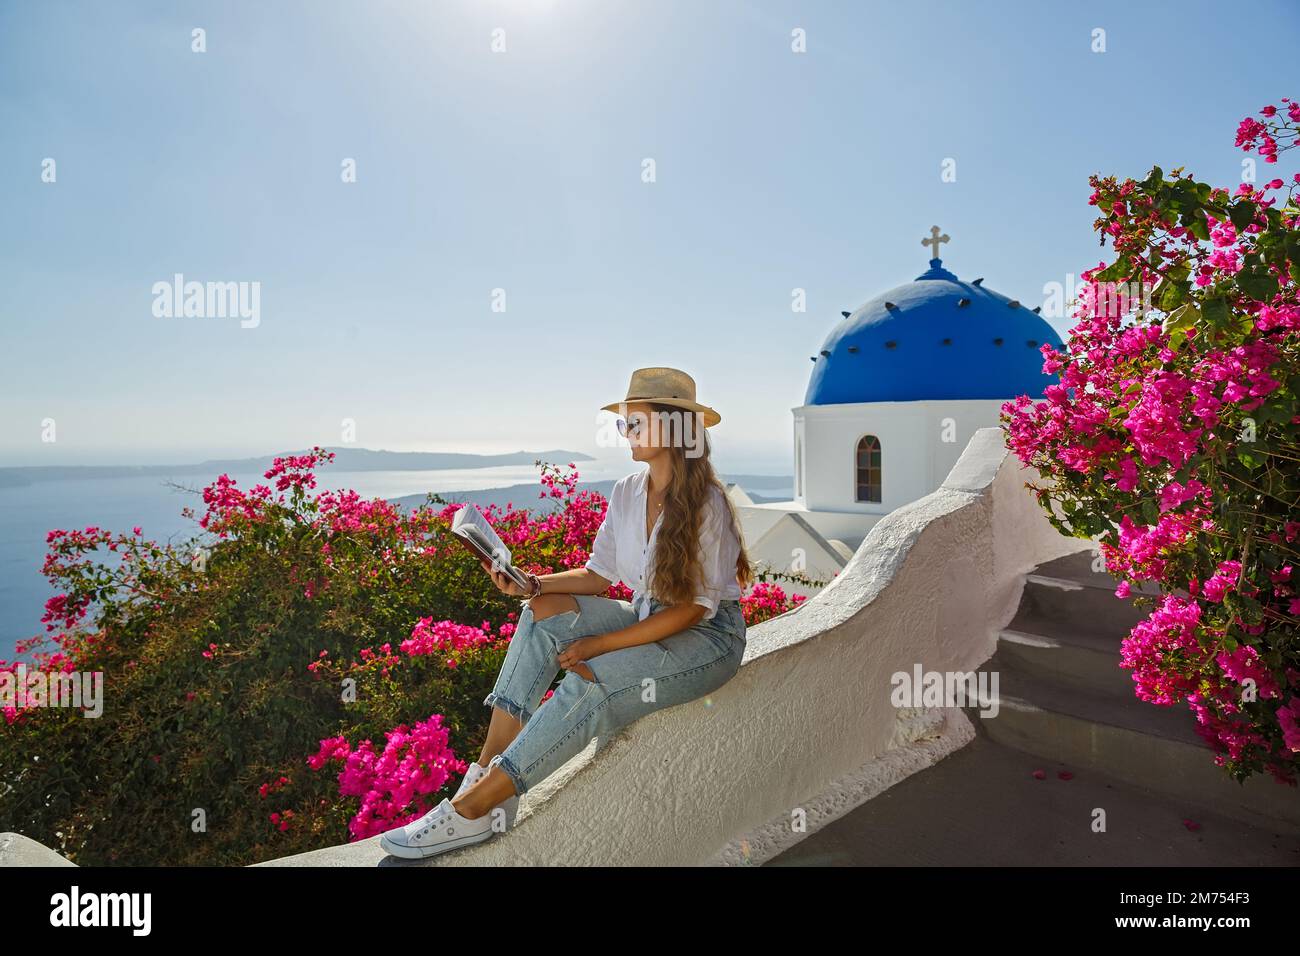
(677, 576)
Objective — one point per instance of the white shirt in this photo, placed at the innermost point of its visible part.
(622, 553)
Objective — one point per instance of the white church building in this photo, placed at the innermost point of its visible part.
(897, 390)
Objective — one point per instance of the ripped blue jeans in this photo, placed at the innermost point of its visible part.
(630, 682)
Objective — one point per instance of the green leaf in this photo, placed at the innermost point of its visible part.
(1252, 610)
(1293, 246)
(1150, 511)
(1216, 312)
(1258, 284)
(1172, 295)
(1115, 271)
(1242, 214)
(1182, 318)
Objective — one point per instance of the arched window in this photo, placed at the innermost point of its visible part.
(868, 468)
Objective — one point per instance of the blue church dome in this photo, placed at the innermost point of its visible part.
(935, 338)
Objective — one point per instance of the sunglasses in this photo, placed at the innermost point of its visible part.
(626, 428)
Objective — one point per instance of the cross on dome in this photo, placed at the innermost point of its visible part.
(934, 240)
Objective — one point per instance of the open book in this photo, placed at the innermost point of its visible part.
(475, 532)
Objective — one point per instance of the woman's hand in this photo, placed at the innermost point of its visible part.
(502, 580)
(575, 654)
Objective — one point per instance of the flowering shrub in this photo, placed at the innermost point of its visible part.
(766, 600)
(414, 764)
(293, 677)
(1173, 438)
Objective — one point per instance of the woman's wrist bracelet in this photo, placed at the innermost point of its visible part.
(537, 585)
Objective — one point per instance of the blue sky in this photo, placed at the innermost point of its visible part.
(522, 170)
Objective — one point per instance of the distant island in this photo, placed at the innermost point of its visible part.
(346, 459)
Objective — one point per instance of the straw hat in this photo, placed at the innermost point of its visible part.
(669, 386)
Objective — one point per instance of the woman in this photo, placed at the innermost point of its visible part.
(671, 535)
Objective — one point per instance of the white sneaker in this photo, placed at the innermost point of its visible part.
(470, 778)
(510, 806)
(439, 830)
